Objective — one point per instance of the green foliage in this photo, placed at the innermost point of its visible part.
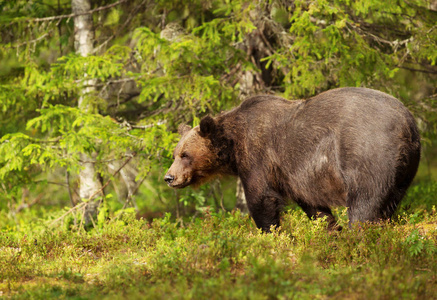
(176, 61)
(155, 66)
(341, 43)
(419, 199)
(419, 244)
(132, 258)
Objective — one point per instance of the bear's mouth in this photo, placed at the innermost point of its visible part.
(179, 185)
(194, 180)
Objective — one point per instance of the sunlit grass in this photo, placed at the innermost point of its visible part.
(224, 256)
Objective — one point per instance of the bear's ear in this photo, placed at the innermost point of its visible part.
(183, 129)
(207, 126)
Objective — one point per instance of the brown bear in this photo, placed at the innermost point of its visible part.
(352, 147)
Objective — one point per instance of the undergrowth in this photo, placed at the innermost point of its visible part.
(222, 256)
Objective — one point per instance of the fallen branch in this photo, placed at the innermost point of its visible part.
(130, 126)
(69, 211)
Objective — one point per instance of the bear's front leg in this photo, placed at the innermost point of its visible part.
(265, 211)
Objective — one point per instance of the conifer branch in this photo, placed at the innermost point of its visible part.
(31, 41)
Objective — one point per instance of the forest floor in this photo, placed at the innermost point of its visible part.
(224, 256)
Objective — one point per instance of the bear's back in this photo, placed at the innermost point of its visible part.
(367, 129)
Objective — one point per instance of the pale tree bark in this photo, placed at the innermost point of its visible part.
(128, 174)
(241, 198)
(83, 43)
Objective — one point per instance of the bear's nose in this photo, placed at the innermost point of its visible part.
(169, 178)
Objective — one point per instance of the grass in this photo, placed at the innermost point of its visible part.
(223, 256)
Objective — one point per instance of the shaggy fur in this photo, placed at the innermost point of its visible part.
(351, 147)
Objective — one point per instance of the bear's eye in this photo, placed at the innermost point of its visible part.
(184, 155)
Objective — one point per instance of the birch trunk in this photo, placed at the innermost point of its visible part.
(83, 43)
(241, 198)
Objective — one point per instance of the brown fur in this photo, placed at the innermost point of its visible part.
(352, 147)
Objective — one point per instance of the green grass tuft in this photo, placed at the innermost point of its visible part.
(224, 256)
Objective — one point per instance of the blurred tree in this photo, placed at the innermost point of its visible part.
(89, 185)
(110, 105)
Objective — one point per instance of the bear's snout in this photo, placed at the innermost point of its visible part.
(169, 179)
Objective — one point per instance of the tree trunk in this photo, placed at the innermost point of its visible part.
(128, 174)
(83, 43)
(241, 198)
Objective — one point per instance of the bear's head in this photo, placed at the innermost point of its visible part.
(195, 157)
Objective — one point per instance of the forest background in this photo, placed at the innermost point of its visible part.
(92, 92)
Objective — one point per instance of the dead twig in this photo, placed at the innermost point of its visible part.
(31, 41)
(83, 204)
(132, 14)
(129, 198)
(76, 15)
(79, 206)
(67, 181)
(29, 204)
(121, 80)
(109, 180)
(417, 70)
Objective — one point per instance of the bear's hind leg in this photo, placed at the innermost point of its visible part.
(371, 208)
(375, 209)
(320, 212)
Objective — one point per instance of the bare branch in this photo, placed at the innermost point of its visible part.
(76, 15)
(31, 41)
(129, 19)
(129, 198)
(127, 79)
(109, 180)
(147, 126)
(30, 204)
(417, 70)
(67, 181)
(50, 182)
(127, 99)
(68, 212)
(394, 44)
